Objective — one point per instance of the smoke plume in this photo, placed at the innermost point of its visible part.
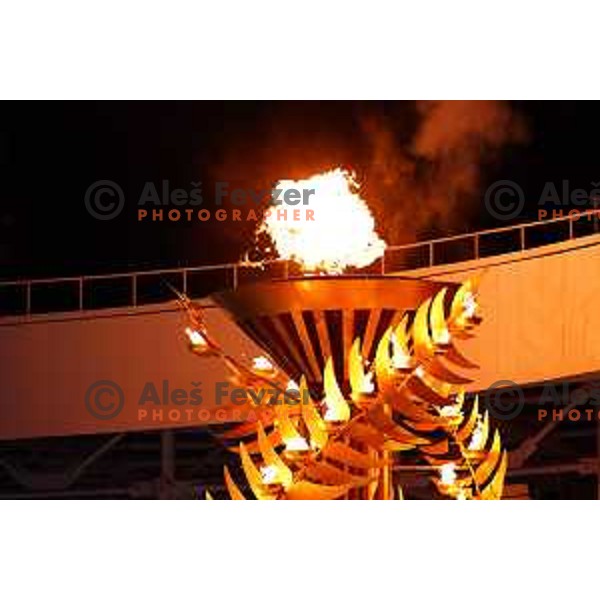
(430, 180)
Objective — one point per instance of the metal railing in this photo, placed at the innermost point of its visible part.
(197, 281)
(476, 245)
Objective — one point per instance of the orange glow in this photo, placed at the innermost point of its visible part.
(341, 234)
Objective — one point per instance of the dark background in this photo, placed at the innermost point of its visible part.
(51, 152)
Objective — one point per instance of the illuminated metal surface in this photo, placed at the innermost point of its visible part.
(344, 440)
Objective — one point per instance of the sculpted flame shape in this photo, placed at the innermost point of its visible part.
(404, 413)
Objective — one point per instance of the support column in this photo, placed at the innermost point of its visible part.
(167, 464)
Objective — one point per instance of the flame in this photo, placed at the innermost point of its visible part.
(368, 386)
(269, 474)
(341, 233)
(477, 439)
(470, 305)
(296, 444)
(195, 337)
(451, 411)
(448, 474)
(262, 364)
(400, 359)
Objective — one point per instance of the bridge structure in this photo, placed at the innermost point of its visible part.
(61, 340)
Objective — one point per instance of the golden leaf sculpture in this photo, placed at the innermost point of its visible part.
(409, 403)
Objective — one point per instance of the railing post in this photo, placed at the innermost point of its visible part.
(184, 283)
(571, 229)
(81, 293)
(28, 298)
(235, 277)
(383, 263)
(476, 245)
(522, 235)
(431, 253)
(134, 290)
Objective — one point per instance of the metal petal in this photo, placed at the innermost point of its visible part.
(254, 477)
(272, 459)
(312, 418)
(334, 399)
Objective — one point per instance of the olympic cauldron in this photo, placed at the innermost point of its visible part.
(313, 328)
(301, 322)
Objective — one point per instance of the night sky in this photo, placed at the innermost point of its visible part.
(51, 152)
